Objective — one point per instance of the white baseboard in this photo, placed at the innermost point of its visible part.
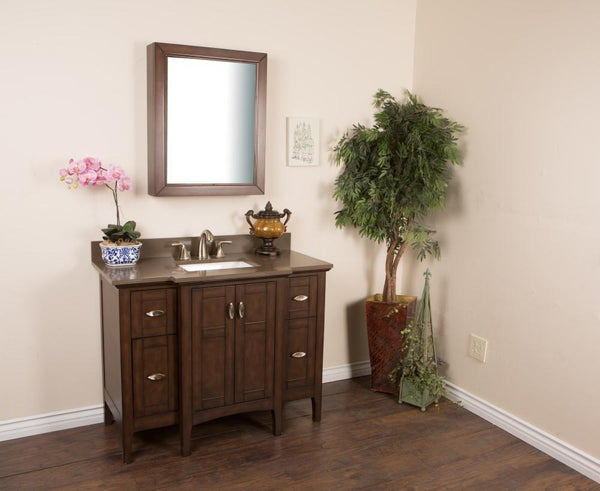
(72, 418)
(561, 451)
(549, 444)
(45, 423)
(343, 372)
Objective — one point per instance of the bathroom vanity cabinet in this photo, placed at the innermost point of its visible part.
(185, 349)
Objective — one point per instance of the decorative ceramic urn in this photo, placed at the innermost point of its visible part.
(268, 227)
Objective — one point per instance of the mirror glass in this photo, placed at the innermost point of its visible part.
(206, 121)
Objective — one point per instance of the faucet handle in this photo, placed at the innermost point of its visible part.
(220, 253)
(184, 254)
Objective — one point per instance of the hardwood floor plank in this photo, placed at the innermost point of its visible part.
(365, 441)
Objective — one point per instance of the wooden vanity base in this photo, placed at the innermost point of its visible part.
(191, 352)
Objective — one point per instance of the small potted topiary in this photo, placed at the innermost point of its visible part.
(393, 175)
(420, 383)
(120, 246)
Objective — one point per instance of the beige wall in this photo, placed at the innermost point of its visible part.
(520, 236)
(73, 84)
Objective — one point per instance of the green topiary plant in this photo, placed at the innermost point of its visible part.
(393, 175)
(417, 368)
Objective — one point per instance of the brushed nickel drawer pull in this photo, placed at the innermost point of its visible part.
(300, 298)
(231, 310)
(155, 377)
(298, 354)
(241, 310)
(155, 313)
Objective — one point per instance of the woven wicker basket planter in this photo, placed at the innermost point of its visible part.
(384, 323)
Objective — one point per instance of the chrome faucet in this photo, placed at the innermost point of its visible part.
(205, 246)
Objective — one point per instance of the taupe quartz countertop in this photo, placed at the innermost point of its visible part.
(166, 269)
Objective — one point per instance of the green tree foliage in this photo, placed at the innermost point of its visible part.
(394, 173)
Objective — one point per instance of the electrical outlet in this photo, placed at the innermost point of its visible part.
(477, 347)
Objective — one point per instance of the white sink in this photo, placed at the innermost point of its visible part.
(216, 266)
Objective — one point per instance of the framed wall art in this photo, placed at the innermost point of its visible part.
(303, 142)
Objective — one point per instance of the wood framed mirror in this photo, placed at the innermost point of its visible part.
(206, 121)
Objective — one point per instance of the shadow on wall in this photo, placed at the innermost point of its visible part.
(357, 331)
(369, 273)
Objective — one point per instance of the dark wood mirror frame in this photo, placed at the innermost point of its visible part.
(157, 54)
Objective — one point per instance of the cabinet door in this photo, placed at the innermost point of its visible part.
(213, 345)
(154, 375)
(254, 341)
(232, 344)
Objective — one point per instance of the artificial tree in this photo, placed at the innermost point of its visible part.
(394, 173)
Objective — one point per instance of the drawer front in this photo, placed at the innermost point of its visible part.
(153, 312)
(300, 352)
(302, 297)
(154, 375)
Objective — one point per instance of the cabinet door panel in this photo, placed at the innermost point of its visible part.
(254, 350)
(251, 364)
(212, 347)
(154, 375)
(300, 370)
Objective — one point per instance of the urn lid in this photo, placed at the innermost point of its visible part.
(268, 212)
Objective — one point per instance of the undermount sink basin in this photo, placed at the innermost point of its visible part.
(215, 266)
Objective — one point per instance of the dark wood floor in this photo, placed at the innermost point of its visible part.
(365, 441)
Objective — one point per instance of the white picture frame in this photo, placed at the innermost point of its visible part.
(303, 142)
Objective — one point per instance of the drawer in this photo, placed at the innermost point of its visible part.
(300, 352)
(155, 381)
(153, 312)
(302, 297)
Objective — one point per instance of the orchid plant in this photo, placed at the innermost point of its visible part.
(89, 172)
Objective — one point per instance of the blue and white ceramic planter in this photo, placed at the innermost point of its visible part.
(120, 255)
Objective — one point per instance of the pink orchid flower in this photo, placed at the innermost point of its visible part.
(89, 172)
(101, 177)
(124, 183)
(76, 167)
(92, 163)
(115, 173)
(88, 177)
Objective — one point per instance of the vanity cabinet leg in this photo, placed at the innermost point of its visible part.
(185, 433)
(277, 420)
(127, 447)
(185, 444)
(316, 408)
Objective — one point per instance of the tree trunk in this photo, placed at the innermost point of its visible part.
(389, 287)
(390, 296)
(392, 260)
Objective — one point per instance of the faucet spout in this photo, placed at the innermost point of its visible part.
(205, 246)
